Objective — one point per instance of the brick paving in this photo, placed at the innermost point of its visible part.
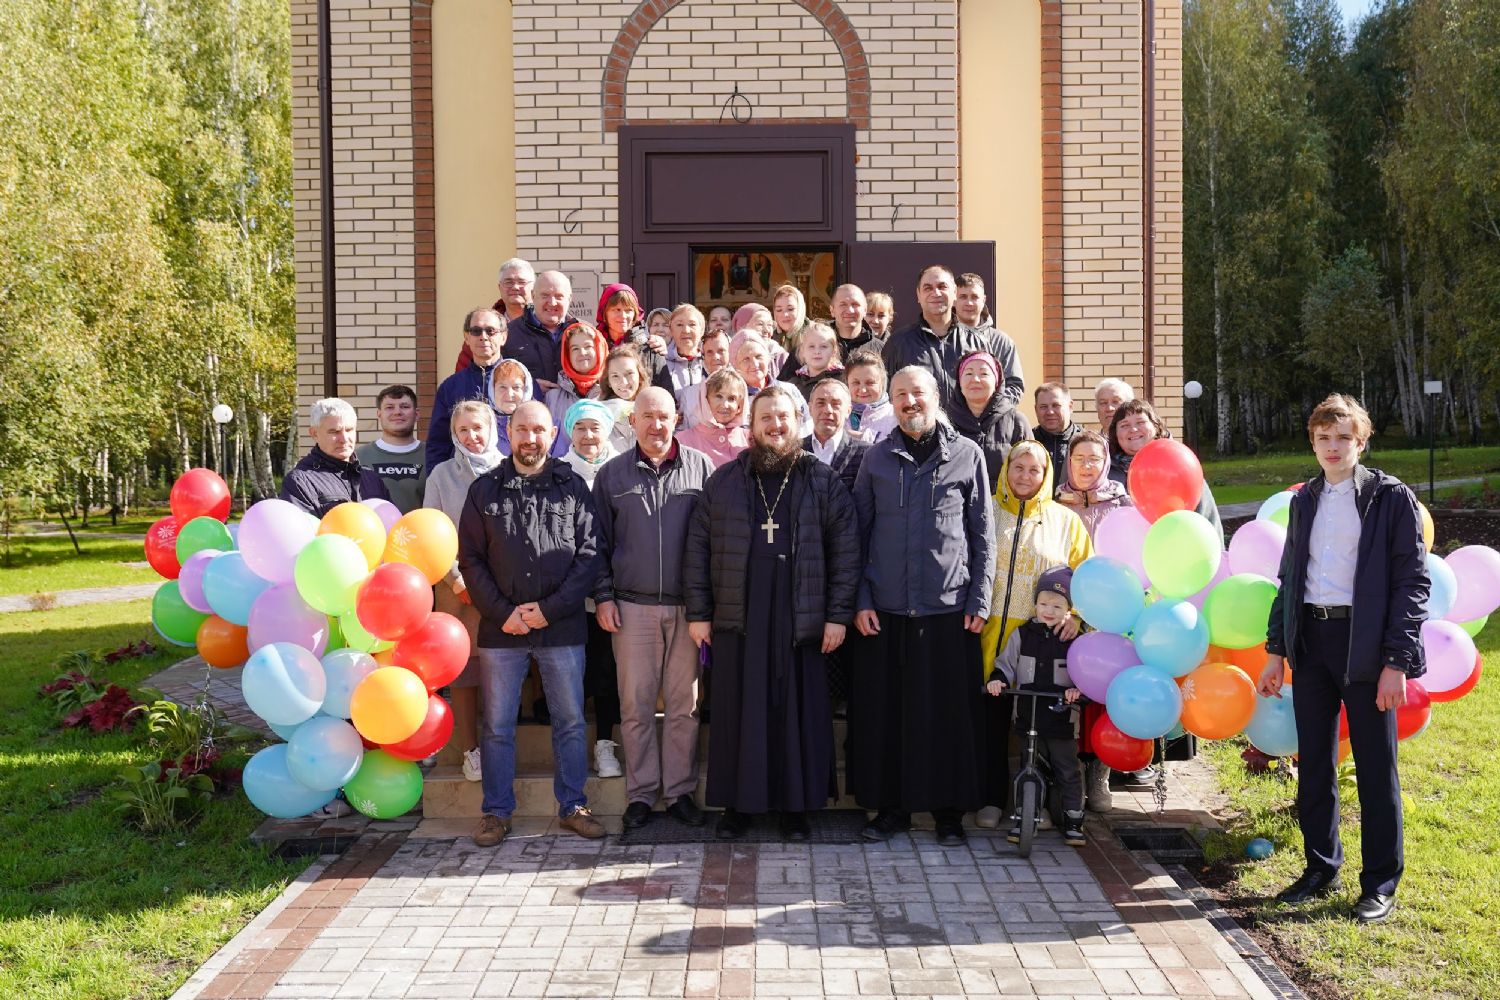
(549, 915)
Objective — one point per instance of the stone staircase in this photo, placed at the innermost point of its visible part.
(446, 794)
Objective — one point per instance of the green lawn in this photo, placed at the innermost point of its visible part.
(1238, 480)
(40, 565)
(90, 908)
(1443, 940)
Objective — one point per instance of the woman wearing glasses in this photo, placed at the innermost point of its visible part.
(1087, 489)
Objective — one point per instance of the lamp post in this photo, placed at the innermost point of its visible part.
(1433, 388)
(1191, 391)
(223, 414)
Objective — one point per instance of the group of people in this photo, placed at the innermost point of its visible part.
(781, 507)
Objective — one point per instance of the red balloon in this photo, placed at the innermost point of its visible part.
(200, 493)
(1343, 723)
(161, 547)
(430, 737)
(1117, 750)
(393, 601)
(435, 651)
(1412, 717)
(1453, 694)
(1165, 476)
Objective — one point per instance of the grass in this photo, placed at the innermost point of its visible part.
(1442, 941)
(41, 565)
(89, 907)
(1239, 480)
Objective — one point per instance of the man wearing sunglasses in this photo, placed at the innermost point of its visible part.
(484, 336)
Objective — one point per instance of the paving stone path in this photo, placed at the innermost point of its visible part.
(83, 595)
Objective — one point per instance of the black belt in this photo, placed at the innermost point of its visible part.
(1326, 612)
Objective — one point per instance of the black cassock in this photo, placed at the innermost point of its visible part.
(770, 745)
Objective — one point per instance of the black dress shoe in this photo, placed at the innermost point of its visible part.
(685, 810)
(950, 833)
(1374, 908)
(637, 814)
(732, 825)
(1311, 885)
(886, 824)
(794, 827)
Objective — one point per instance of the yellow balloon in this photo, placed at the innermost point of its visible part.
(360, 523)
(426, 539)
(388, 705)
(1429, 531)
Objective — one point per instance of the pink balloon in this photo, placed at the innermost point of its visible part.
(1121, 534)
(1096, 658)
(1450, 655)
(1223, 574)
(281, 615)
(1477, 568)
(1256, 548)
(389, 512)
(271, 534)
(190, 580)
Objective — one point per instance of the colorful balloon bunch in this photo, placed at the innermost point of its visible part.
(332, 620)
(1182, 623)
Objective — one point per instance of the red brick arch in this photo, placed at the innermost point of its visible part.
(648, 12)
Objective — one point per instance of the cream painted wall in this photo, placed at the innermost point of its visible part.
(475, 177)
(1000, 161)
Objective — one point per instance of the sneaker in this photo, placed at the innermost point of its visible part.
(1096, 778)
(337, 809)
(471, 765)
(492, 830)
(1073, 834)
(987, 818)
(583, 823)
(1144, 778)
(606, 765)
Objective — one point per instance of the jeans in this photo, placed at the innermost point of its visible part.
(502, 672)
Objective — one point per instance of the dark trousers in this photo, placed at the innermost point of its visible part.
(1319, 688)
(601, 681)
(997, 710)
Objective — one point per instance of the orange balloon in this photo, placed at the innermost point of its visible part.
(1251, 660)
(385, 657)
(1218, 700)
(222, 644)
(389, 705)
(1345, 749)
(426, 539)
(360, 523)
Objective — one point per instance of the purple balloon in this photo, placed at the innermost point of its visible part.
(1256, 548)
(1121, 535)
(1223, 574)
(190, 580)
(1450, 655)
(271, 534)
(1096, 658)
(1477, 569)
(281, 615)
(389, 512)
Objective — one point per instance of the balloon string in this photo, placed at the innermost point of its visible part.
(1159, 790)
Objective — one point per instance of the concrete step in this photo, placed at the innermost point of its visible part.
(446, 794)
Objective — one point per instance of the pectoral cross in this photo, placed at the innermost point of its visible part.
(769, 527)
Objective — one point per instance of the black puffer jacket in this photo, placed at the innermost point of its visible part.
(321, 482)
(825, 551)
(998, 426)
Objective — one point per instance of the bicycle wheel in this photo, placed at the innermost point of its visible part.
(1028, 808)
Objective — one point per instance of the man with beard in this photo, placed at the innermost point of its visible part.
(528, 548)
(915, 729)
(770, 571)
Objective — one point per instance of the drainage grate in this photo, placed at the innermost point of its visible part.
(310, 847)
(1165, 844)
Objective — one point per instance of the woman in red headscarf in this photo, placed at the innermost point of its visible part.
(619, 318)
(584, 350)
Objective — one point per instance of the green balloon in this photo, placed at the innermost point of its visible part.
(1281, 517)
(1181, 554)
(203, 533)
(174, 619)
(355, 637)
(335, 634)
(384, 787)
(328, 572)
(1473, 625)
(1238, 610)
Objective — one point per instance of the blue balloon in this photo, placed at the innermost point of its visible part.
(1143, 702)
(1259, 849)
(1171, 636)
(1108, 594)
(1444, 587)
(1273, 727)
(286, 732)
(231, 587)
(324, 753)
(272, 789)
(344, 668)
(283, 683)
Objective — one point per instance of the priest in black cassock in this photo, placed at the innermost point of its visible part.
(915, 709)
(770, 572)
